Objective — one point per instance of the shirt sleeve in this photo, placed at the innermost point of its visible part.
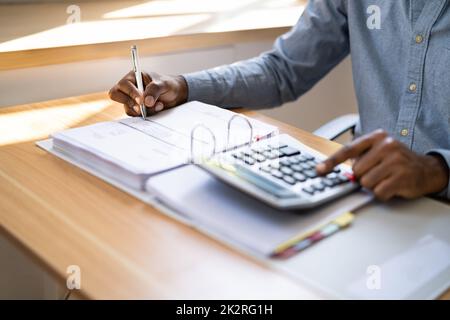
(445, 154)
(298, 60)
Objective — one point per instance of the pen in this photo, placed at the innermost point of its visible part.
(138, 76)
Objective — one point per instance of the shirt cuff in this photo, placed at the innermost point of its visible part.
(445, 154)
(201, 87)
(193, 84)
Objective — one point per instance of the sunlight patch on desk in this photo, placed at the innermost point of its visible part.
(36, 124)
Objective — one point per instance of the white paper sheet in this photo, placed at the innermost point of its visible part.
(403, 274)
(124, 146)
(174, 126)
(237, 216)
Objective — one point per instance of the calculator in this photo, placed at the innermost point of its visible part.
(280, 171)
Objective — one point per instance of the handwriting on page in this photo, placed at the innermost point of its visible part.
(158, 132)
(179, 122)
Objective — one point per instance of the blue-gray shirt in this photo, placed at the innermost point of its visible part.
(400, 53)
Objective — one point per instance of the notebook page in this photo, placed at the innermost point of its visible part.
(160, 142)
(120, 144)
(181, 120)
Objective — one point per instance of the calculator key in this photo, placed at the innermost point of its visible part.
(285, 162)
(318, 186)
(328, 182)
(350, 176)
(270, 155)
(237, 155)
(296, 168)
(249, 161)
(276, 173)
(275, 165)
(258, 149)
(289, 151)
(289, 179)
(277, 146)
(305, 166)
(309, 190)
(341, 179)
(286, 170)
(336, 181)
(310, 173)
(299, 177)
(259, 157)
(276, 154)
(312, 163)
(265, 169)
(302, 158)
(247, 152)
(309, 157)
(332, 175)
(294, 160)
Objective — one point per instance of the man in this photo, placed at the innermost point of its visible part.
(401, 67)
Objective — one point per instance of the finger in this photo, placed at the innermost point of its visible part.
(159, 106)
(116, 95)
(347, 152)
(152, 92)
(386, 189)
(119, 96)
(132, 112)
(169, 99)
(129, 88)
(352, 150)
(375, 175)
(374, 156)
(130, 76)
(150, 111)
(127, 102)
(146, 78)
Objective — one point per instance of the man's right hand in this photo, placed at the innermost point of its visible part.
(160, 92)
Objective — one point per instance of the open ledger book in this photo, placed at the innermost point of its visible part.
(132, 149)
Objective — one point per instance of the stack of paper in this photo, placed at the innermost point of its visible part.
(132, 149)
(236, 217)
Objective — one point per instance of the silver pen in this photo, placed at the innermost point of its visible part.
(138, 76)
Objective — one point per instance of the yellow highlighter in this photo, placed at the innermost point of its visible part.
(305, 240)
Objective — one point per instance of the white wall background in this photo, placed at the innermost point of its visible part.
(331, 97)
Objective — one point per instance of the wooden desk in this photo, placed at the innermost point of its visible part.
(125, 248)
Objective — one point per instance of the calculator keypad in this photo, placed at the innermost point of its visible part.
(288, 165)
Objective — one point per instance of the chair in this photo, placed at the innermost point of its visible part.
(337, 127)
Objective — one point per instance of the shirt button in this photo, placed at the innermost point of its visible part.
(413, 87)
(419, 39)
(404, 132)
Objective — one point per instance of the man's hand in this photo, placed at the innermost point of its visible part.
(160, 92)
(389, 168)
